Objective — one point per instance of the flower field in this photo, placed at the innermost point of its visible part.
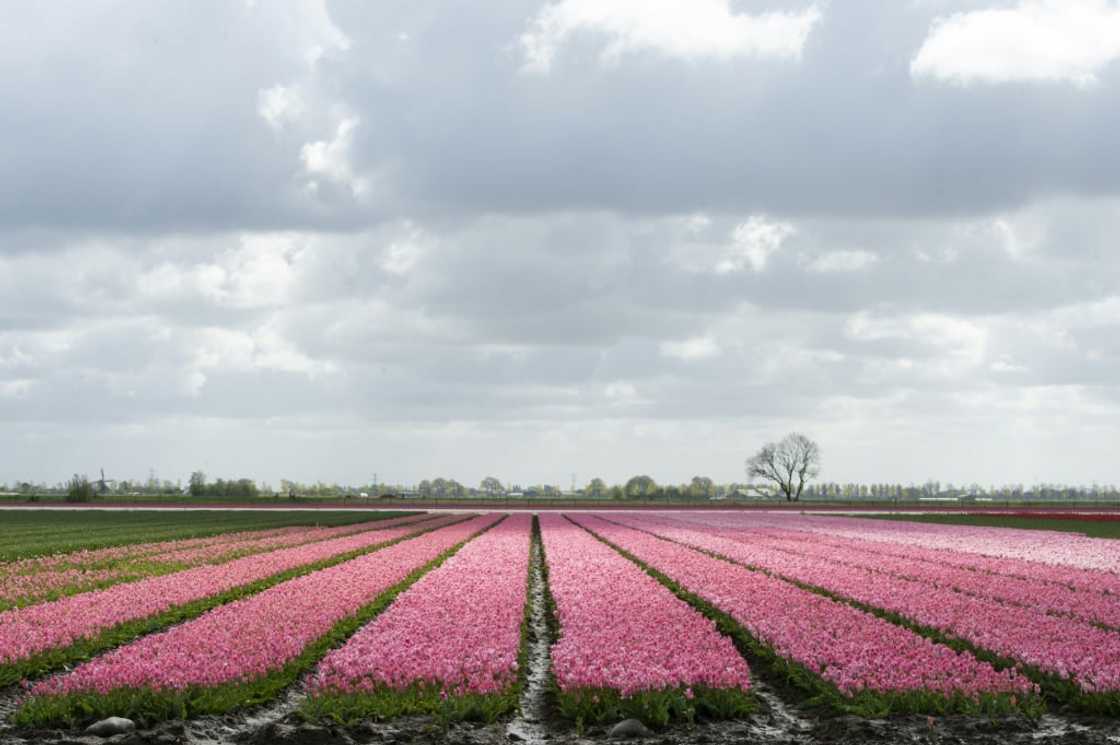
(626, 645)
(662, 616)
(451, 641)
(236, 652)
(47, 635)
(1078, 660)
(32, 580)
(869, 664)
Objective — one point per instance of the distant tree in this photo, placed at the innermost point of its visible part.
(79, 489)
(596, 489)
(491, 486)
(786, 465)
(198, 484)
(701, 487)
(616, 492)
(640, 487)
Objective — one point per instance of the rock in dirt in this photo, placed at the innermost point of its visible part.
(628, 728)
(111, 726)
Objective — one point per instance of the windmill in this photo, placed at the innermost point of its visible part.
(103, 483)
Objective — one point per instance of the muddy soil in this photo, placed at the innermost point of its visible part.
(770, 726)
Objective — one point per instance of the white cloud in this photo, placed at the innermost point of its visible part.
(279, 105)
(698, 348)
(843, 261)
(754, 241)
(264, 348)
(1036, 40)
(957, 344)
(330, 159)
(259, 273)
(685, 29)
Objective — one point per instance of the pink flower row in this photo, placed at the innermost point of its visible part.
(853, 650)
(620, 629)
(1047, 597)
(1092, 581)
(32, 580)
(457, 629)
(1057, 550)
(1065, 647)
(249, 638)
(25, 632)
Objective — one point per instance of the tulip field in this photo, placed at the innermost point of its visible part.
(664, 616)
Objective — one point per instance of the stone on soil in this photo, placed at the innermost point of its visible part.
(628, 728)
(111, 726)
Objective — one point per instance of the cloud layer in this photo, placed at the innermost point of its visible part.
(534, 239)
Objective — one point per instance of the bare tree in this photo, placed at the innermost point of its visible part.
(787, 465)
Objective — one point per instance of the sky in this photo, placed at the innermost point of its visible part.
(540, 241)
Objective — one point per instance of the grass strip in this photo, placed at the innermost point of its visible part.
(34, 533)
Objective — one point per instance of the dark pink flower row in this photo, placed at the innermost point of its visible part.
(31, 580)
(1048, 597)
(851, 649)
(1055, 548)
(1065, 647)
(620, 629)
(458, 628)
(908, 540)
(25, 632)
(249, 638)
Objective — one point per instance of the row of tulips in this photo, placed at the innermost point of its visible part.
(860, 662)
(907, 540)
(448, 645)
(246, 650)
(627, 646)
(1077, 660)
(47, 635)
(29, 581)
(1056, 548)
(1048, 597)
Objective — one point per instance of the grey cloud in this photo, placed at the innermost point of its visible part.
(524, 273)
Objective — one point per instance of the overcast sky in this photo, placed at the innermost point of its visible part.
(323, 240)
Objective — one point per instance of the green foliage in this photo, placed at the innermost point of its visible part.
(31, 533)
(641, 487)
(388, 703)
(654, 708)
(239, 489)
(79, 489)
